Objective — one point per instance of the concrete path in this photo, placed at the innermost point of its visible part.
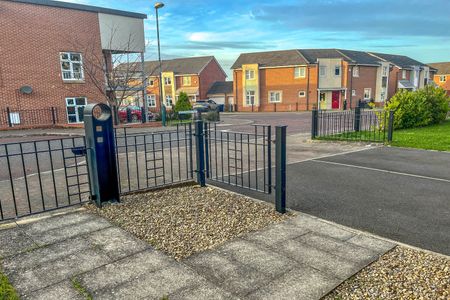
(65, 255)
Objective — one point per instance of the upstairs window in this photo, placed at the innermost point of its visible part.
(322, 71)
(302, 94)
(71, 66)
(403, 74)
(300, 72)
(151, 82)
(186, 80)
(356, 71)
(337, 70)
(442, 78)
(249, 74)
(167, 80)
(385, 71)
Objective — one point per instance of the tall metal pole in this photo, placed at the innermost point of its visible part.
(161, 102)
(144, 91)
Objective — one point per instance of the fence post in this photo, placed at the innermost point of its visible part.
(391, 125)
(200, 151)
(206, 148)
(280, 169)
(357, 121)
(8, 115)
(53, 116)
(269, 158)
(314, 123)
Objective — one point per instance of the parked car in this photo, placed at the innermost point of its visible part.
(136, 113)
(205, 105)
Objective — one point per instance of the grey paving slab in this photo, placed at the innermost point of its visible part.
(343, 249)
(371, 243)
(26, 281)
(299, 283)
(276, 234)
(226, 273)
(326, 262)
(62, 227)
(45, 255)
(154, 285)
(60, 291)
(123, 271)
(14, 240)
(256, 257)
(116, 243)
(202, 291)
(319, 226)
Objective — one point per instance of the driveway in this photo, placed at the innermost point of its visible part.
(401, 194)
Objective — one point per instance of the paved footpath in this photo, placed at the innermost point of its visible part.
(302, 258)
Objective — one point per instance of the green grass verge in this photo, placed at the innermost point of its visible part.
(435, 137)
(363, 136)
(7, 291)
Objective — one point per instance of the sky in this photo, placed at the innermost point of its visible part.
(416, 28)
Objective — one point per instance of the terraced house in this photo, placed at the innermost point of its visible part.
(46, 47)
(192, 75)
(441, 75)
(300, 79)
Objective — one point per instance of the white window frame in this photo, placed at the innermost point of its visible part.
(299, 72)
(151, 100)
(384, 71)
(272, 96)
(249, 74)
(355, 71)
(353, 92)
(151, 82)
(369, 93)
(302, 94)
(187, 81)
(73, 103)
(403, 74)
(322, 71)
(249, 94)
(167, 80)
(70, 74)
(337, 68)
(169, 97)
(442, 78)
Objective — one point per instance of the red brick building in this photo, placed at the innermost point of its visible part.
(300, 79)
(44, 48)
(192, 75)
(442, 75)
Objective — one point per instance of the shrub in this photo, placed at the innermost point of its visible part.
(182, 104)
(419, 108)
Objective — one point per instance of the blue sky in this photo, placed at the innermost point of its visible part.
(417, 28)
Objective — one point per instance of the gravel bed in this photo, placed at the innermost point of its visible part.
(184, 220)
(402, 273)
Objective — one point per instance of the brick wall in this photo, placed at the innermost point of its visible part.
(210, 74)
(280, 79)
(367, 79)
(34, 35)
(445, 85)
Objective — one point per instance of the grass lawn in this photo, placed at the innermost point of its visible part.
(7, 291)
(435, 137)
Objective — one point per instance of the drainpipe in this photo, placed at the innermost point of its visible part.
(307, 89)
(351, 87)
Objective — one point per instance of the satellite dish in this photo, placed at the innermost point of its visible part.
(26, 89)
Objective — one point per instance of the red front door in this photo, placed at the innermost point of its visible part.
(335, 99)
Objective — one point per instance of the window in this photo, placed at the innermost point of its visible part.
(168, 100)
(322, 71)
(367, 93)
(403, 74)
(302, 94)
(383, 96)
(71, 66)
(75, 108)
(353, 92)
(249, 74)
(337, 70)
(275, 97)
(384, 81)
(151, 82)
(385, 71)
(167, 80)
(249, 97)
(186, 80)
(442, 78)
(300, 72)
(356, 71)
(151, 100)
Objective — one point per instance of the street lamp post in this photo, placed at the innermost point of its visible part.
(159, 5)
